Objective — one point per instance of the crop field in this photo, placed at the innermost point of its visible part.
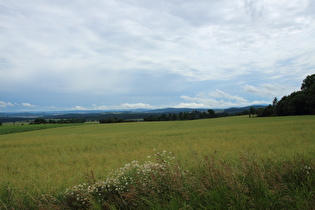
(21, 127)
(47, 162)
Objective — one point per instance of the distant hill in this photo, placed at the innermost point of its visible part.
(91, 115)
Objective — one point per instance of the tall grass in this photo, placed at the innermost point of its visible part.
(162, 182)
(38, 166)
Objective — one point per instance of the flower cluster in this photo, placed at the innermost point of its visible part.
(308, 170)
(78, 196)
(150, 177)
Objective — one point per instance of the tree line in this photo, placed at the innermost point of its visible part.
(62, 121)
(182, 116)
(115, 120)
(297, 103)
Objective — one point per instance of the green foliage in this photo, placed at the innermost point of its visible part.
(252, 111)
(39, 121)
(194, 115)
(211, 113)
(294, 104)
(297, 103)
(62, 121)
(275, 102)
(115, 120)
(111, 120)
(265, 112)
(308, 82)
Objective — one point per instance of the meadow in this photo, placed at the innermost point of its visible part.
(47, 162)
(23, 127)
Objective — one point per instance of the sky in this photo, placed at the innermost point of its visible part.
(144, 54)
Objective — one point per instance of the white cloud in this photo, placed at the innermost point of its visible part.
(217, 99)
(4, 104)
(137, 106)
(221, 94)
(125, 106)
(79, 108)
(269, 90)
(28, 105)
(192, 105)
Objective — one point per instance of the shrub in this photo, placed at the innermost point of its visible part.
(129, 185)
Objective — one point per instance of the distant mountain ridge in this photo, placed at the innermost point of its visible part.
(101, 114)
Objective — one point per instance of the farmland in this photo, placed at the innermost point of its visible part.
(51, 160)
(20, 127)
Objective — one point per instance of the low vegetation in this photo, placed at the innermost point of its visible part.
(212, 184)
(234, 162)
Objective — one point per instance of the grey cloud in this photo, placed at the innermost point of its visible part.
(5, 64)
(255, 8)
(91, 46)
(269, 90)
(252, 89)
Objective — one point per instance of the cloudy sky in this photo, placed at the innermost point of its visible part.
(124, 54)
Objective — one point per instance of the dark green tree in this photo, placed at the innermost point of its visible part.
(174, 117)
(259, 112)
(283, 106)
(299, 102)
(310, 102)
(269, 111)
(275, 102)
(252, 111)
(308, 82)
(40, 121)
(211, 113)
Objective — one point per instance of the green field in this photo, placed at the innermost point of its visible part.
(21, 127)
(51, 160)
